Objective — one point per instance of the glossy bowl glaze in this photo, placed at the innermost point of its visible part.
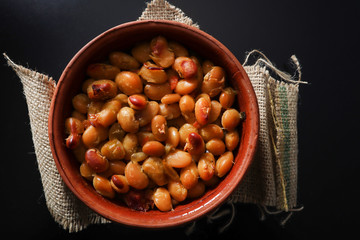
(123, 37)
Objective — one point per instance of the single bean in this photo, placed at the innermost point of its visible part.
(113, 150)
(135, 176)
(102, 71)
(123, 61)
(211, 131)
(96, 160)
(154, 168)
(186, 86)
(160, 52)
(224, 164)
(153, 73)
(102, 90)
(189, 175)
(153, 148)
(187, 104)
(197, 191)
(214, 81)
(178, 159)
(215, 111)
(178, 49)
(230, 119)
(129, 83)
(202, 110)
(185, 67)
(194, 144)
(102, 186)
(184, 132)
(232, 140)
(177, 190)
(206, 166)
(86, 171)
(119, 183)
(170, 98)
(141, 52)
(227, 97)
(116, 132)
(138, 156)
(107, 115)
(169, 111)
(81, 102)
(216, 146)
(162, 199)
(157, 91)
(173, 137)
(137, 101)
(92, 136)
(146, 115)
(130, 144)
(159, 127)
(127, 120)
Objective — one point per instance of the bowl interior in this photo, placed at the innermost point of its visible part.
(123, 37)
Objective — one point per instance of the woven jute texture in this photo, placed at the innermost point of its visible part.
(271, 180)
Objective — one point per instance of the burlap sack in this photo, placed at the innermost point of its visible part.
(271, 180)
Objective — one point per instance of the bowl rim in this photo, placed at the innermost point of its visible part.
(201, 210)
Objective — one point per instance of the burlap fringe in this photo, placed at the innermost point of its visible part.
(162, 10)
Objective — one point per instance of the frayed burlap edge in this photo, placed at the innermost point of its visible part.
(66, 209)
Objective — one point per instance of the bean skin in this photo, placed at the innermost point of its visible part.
(129, 83)
(102, 90)
(162, 199)
(178, 159)
(153, 148)
(102, 71)
(159, 127)
(127, 120)
(123, 61)
(96, 160)
(232, 140)
(189, 175)
(119, 183)
(102, 185)
(154, 168)
(206, 166)
(214, 81)
(230, 119)
(177, 190)
(224, 164)
(135, 176)
(160, 52)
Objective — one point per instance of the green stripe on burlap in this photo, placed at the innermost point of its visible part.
(285, 156)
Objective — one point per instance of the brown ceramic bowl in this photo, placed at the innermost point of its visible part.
(123, 37)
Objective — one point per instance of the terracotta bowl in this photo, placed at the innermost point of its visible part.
(123, 37)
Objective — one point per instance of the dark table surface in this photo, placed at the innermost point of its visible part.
(44, 35)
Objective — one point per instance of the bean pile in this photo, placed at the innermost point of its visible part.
(154, 126)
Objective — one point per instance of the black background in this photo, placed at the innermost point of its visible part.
(324, 35)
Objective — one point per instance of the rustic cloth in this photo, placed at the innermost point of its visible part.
(271, 180)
